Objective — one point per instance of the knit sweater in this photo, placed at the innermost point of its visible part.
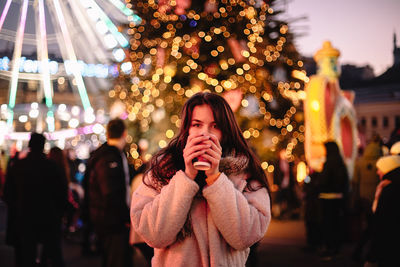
(226, 220)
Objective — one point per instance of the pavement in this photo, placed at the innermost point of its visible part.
(281, 246)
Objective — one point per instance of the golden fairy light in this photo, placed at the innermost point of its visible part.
(170, 64)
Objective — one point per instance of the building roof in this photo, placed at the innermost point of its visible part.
(384, 88)
(391, 75)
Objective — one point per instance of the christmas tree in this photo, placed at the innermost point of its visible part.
(236, 48)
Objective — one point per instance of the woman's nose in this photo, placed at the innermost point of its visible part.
(205, 131)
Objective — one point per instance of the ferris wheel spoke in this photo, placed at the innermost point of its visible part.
(16, 61)
(72, 56)
(89, 32)
(43, 55)
(4, 14)
(83, 33)
(108, 23)
(80, 38)
(122, 7)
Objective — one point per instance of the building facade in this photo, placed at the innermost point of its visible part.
(377, 102)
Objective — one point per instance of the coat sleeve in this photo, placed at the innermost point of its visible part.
(241, 218)
(159, 216)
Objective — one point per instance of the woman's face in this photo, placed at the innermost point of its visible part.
(203, 122)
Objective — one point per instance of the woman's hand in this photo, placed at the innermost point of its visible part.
(213, 155)
(196, 145)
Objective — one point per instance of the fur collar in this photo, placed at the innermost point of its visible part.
(231, 165)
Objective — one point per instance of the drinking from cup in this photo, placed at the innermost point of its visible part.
(201, 164)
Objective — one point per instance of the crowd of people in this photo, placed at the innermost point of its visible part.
(340, 210)
(47, 201)
(361, 210)
(36, 193)
(178, 214)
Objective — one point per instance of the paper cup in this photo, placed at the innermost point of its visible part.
(202, 165)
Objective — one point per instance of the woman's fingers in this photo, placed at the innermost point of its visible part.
(190, 155)
(195, 139)
(206, 146)
(214, 160)
(190, 150)
(216, 148)
(195, 155)
(210, 159)
(214, 153)
(216, 141)
(212, 156)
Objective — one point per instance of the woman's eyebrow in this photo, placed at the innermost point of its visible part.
(196, 120)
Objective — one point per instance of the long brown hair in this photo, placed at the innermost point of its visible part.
(169, 160)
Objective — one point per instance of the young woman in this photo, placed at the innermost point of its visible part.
(209, 217)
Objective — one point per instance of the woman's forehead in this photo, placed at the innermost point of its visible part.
(203, 112)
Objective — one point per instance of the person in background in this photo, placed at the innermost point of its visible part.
(14, 156)
(37, 192)
(386, 232)
(2, 171)
(286, 195)
(3, 160)
(395, 149)
(75, 193)
(394, 136)
(11, 238)
(312, 212)
(56, 155)
(333, 190)
(90, 242)
(208, 215)
(364, 184)
(109, 196)
(73, 163)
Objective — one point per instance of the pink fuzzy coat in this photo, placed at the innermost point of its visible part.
(225, 222)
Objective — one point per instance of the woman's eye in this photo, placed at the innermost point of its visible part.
(196, 125)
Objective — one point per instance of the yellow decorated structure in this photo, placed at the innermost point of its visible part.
(329, 112)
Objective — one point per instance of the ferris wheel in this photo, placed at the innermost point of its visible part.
(82, 35)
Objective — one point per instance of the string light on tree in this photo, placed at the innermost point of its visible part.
(235, 48)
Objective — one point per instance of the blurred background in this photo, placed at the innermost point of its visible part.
(68, 67)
